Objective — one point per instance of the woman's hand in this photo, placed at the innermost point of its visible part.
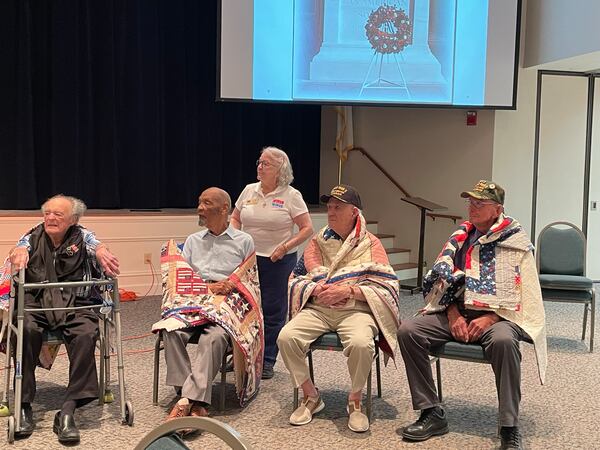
(279, 252)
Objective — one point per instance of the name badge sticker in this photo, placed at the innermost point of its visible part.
(277, 203)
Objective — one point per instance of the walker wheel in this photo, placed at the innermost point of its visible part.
(128, 413)
(10, 434)
(109, 397)
(4, 410)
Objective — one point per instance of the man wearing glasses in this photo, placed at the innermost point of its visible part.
(484, 289)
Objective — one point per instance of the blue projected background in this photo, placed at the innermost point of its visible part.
(319, 50)
(460, 53)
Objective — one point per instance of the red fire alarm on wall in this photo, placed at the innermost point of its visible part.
(471, 118)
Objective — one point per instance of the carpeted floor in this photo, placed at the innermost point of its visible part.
(561, 414)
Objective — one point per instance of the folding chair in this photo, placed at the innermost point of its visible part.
(159, 346)
(561, 258)
(331, 341)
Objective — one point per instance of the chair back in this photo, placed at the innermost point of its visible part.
(153, 441)
(561, 248)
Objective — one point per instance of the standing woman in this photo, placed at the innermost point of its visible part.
(268, 211)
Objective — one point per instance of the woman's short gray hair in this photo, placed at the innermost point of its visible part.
(286, 174)
(78, 208)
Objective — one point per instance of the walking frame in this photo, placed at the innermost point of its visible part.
(110, 314)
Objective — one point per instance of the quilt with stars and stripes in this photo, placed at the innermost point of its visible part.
(188, 302)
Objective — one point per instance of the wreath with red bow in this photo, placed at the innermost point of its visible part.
(388, 29)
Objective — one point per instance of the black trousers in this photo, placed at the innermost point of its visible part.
(273, 278)
(501, 346)
(80, 333)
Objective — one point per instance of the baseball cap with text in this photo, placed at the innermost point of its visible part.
(344, 193)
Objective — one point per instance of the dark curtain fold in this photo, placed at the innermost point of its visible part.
(114, 101)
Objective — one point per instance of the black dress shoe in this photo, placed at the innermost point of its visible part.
(65, 428)
(268, 372)
(511, 438)
(432, 422)
(27, 423)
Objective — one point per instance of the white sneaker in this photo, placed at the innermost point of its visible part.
(357, 420)
(304, 413)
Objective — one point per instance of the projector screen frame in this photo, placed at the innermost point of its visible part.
(512, 106)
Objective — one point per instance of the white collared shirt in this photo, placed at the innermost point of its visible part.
(269, 219)
(216, 257)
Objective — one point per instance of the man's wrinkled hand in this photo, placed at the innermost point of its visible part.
(479, 325)
(108, 261)
(333, 296)
(222, 287)
(19, 257)
(458, 325)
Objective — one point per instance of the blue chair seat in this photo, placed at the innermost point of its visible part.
(327, 341)
(565, 282)
(459, 350)
(567, 295)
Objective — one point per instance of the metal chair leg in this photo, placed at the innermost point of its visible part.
(295, 398)
(438, 372)
(592, 320)
(223, 381)
(310, 366)
(585, 313)
(369, 395)
(378, 371)
(102, 370)
(157, 349)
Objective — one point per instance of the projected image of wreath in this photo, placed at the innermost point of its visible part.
(388, 29)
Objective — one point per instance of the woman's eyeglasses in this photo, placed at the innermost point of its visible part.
(265, 164)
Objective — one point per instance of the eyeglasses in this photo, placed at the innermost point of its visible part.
(264, 163)
(477, 204)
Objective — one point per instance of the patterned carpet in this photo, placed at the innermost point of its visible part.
(561, 414)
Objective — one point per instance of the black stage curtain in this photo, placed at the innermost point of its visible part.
(113, 101)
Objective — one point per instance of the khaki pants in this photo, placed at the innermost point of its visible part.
(356, 330)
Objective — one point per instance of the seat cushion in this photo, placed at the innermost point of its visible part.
(458, 350)
(328, 340)
(565, 282)
(567, 295)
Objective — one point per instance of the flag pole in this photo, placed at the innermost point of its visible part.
(340, 163)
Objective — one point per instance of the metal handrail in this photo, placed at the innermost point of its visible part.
(444, 216)
(379, 166)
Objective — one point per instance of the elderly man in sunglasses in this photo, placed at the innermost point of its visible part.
(483, 288)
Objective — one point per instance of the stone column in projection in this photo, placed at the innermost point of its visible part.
(343, 61)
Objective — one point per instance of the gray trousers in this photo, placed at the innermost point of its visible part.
(195, 375)
(500, 343)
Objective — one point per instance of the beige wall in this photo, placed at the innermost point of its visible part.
(431, 153)
(129, 236)
(560, 29)
(514, 139)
